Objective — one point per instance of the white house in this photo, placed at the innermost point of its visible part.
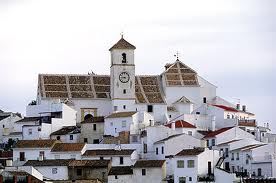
(67, 134)
(181, 126)
(92, 130)
(192, 165)
(120, 174)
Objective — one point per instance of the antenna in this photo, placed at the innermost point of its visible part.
(122, 34)
(177, 56)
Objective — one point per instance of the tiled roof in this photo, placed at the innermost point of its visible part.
(15, 133)
(219, 131)
(3, 117)
(148, 89)
(121, 114)
(170, 137)
(35, 143)
(98, 119)
(48, 162)
(226, 108)
(67, 130)
(181, 124)
(149, 163)
(6, 154)
(67, 147)
(108, 152)
(171, 108)
(89, 163)
(121, 170)
(122, 44)
(179, 74)
(183, 100)
(29, 119)
(190, 152)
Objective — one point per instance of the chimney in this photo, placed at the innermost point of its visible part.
(238, 106)
(173, 125)
(244, 108)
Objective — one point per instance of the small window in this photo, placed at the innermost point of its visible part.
(226, 152)
(123, 124)
(116, 177)
(96, 141)
(121, 160)
(197, 112)
(124, 60)
(22, 156)
(162, 150)
(85, 140)
(238, 156)
(54, 170)
(150, 108)
(124, 106)
(182, 179)
(30, 131)
(191, 163)
(259, 172)
(180, 164)
(39, 129)
(213, 142)
(145, 148)
(170, 116)
(115, 108)
(204, 100)
(71, 137)
(101, 158)
(79, 172)
(58, 137)
(124, 91)
(190, 179)
(156, 150)
(95, 127)
(143, 172)
(134, 138)
(190, 133)
(232, 156)
(207, 143)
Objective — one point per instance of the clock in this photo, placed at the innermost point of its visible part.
(124, 77)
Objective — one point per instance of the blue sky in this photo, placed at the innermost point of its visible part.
(230, 43)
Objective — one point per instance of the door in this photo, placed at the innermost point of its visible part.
(209, 167)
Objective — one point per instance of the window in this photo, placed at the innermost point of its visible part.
(190, 179)
(204, 100)
(124, 106)
(58, 137)
(150, 108)
(162, 150)
(226, 152)
(191, 163)
(213, 142)
(197, 112)
(259, 172)
(30, 131)
(228, 116)
(22, 156)
(101, 158)
(123, 124)
(190, 133)
(79, 172)
(238, 156)
(121, 160)
(124, 91)
(134, 138)
(54, 170)
(233, 168)
(71, 137)
(170, 116)
(182, 179)
(207, 143)
(96, 141)
(145, 148)
(180, 164)
(143, 172)
(85, 140)
(41, 154)
(124, 58)
(156, 150)
(94, 127)
(39, 129)
(232, 157)
(116, 177)
(115, 108)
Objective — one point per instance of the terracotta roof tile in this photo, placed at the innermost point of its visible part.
(89, 163)
(149, 163)
(190, 152)
(121, 114)
(35, 143)
(181, 124)
(52, 162)
(67, 130)
(122, 44)
(67, 147)
(219, 131)
(121, 170)
(226, 108)
(108, 152)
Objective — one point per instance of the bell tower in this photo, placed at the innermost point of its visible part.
(122, 76)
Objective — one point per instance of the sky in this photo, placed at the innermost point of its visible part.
(231, 43)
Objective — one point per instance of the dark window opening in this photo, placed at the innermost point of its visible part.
(143, 172)
(101, 158)
(94, 127)
(116, 177)
(121, 160)
(162, 150)
(85, 140)
(58, 137)
(156, 151)
(22, 156)
(204, 100)
(96, 141)
(124, 58)
(88, 116)
(124, 91)
(150, 108)
(79, 172)
(71, 137)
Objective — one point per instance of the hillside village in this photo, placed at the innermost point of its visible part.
(123, 127)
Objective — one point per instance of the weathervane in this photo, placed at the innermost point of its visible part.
(177, 55)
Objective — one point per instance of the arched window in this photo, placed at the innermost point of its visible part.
(124, 58)
(88, 116)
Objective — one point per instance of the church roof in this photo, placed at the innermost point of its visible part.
(148, 89)
(122, 44)
(179, 74)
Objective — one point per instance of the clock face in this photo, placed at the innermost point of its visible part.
(124, 77)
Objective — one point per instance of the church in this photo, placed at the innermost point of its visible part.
(178, 90)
